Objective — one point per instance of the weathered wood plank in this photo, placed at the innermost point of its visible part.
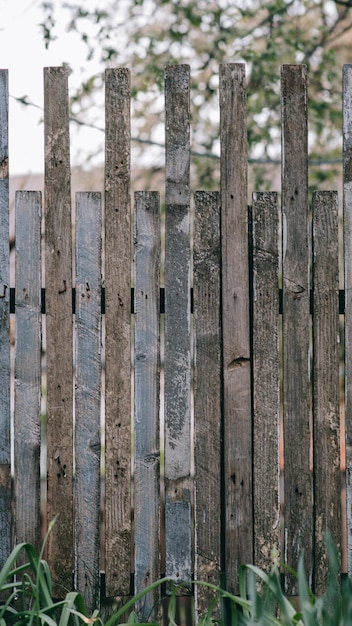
(266, 384)
(177, 326)
(87, 397)
(207, 394)
(147, 400)
(236, 327)
(326, 392)
(118, 332)
(27, 424)
(59, 331)
(347, 230)
(5, 447)
(296, 321)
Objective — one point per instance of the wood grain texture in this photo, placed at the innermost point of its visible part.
(296, 322)
(87, 397)
(266, 385)
(27, 420)
(118, 332)
(235, 321)
(347, 231)
(5, 446)
(207, 394)
(177, 326)
(147, 400)
(326, 400)
(59, 324)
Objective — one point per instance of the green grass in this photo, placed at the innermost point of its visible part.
(26, 598)
(26, 592)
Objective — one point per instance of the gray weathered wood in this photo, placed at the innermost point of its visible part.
(326, 391)
(27, 423)
(87, 397)
(266, 386)
(118, 332)
(147, 400)
(347, 230)
(235, 322)
(5, 449)
(59, 331)
(177, 326)
(207, 394)
(296, 321)
(250, 439)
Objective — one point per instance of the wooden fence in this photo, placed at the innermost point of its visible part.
(213, 488)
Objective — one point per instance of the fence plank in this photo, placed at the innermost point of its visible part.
(266, 386)
(87, 396)
(177, 326)
(27, 424)
(207, 406)
(296, 321)
(5, 446)
(147, 399)
(118, 332)
(347, 228)
(326, 401)
(58, 281)
(236, 329)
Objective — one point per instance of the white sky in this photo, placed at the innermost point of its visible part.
(23, 53)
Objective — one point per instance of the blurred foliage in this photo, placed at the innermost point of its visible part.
(145, 35)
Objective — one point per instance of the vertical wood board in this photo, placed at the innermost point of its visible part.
(177, 326)
(347, 231)
(27, 419)
(5, 447)
(87, 397)
(147, 400)
(207, 394)
(266, 386)
(118, 332)
(235, 322)
(59, 330)
(326, 400)
(296, 322)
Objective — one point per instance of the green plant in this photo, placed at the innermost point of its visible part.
(26, 598)
(26, 592)
(262, 601)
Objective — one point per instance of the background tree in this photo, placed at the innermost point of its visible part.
(145, 35)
